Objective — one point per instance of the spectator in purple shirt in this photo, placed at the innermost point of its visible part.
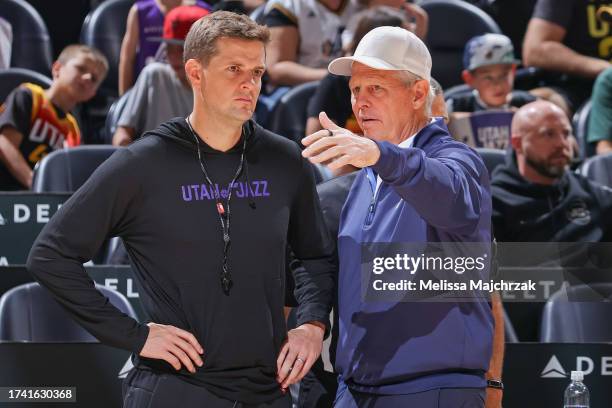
(145, 22)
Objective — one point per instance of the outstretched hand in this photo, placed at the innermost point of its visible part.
(336, 147)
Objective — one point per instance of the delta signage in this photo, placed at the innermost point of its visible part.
(536, 374)
(554, 369)
(22, 217)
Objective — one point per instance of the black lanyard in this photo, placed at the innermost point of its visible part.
(224, 213)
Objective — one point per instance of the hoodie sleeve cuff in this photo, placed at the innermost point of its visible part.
(389, 161)
(313, 318)
(140, 339)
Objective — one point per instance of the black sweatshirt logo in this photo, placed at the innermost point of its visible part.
(200, 192)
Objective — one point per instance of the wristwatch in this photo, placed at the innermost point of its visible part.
(497, 384)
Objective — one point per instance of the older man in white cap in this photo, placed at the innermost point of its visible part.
(417, 184)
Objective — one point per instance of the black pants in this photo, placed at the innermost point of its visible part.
(147, 389)
(318, 388)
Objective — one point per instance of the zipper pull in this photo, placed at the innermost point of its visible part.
(220, 209)
(370, 215)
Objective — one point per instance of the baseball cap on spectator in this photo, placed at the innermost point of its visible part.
(178, 22)
(488, 49)
(388, 48)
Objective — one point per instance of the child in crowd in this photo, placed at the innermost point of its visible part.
(489, 69)
(482, 115)
(35, 121)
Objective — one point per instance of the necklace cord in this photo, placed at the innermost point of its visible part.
(224, 213)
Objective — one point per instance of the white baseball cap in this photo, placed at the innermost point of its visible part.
(388, 48)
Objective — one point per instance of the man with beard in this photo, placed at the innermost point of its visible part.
(536, 197)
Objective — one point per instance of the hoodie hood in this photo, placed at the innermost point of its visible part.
(177, 130)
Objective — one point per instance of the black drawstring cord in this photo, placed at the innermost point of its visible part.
(223, 213)
(248, 179)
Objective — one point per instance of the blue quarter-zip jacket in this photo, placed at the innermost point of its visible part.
(436, 191)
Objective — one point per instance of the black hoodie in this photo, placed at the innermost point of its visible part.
(574, 209)
(153, 195)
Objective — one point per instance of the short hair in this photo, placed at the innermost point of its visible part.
(378, 16)
(201, 41)
(73, 50)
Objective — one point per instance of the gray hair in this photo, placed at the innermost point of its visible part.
(436, 87)
(408, 78)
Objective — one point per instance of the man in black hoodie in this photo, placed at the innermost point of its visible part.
(536, 198)
(205, 206)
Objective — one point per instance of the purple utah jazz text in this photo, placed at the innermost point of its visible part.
(198, 192)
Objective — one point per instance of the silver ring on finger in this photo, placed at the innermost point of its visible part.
(300, 360)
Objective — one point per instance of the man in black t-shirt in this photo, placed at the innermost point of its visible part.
(569, 36)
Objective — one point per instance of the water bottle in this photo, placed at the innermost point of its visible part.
(576, 394)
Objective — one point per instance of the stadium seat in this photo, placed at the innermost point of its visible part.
(581, 130)
(65, 170)
(109, 251)
(29, 313)
(510, 335)
(103, 29)
(580, 315)
(456, 91)
(289, 116)
(492, 158)
(451, 24)
(527, 78)
(598, 169)
(11, 78)
(31, 42)
(114, 113)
